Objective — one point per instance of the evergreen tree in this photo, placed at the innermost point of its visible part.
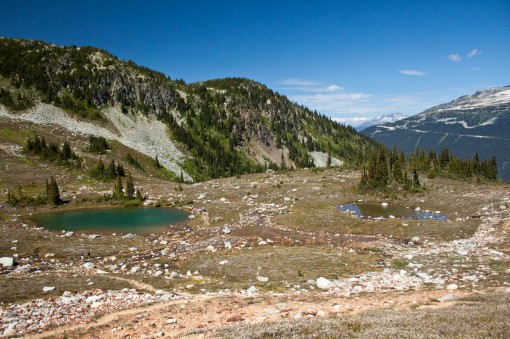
(112, 170)
(130, 187)
(117, 190)
(138, 194)
(53, 195)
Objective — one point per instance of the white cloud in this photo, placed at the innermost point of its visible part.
(413, 72)
(454, 58)
(308, 86)
(474, 53)
(297, 82)
(334, 88)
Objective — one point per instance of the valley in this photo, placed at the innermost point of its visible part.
(264, 253)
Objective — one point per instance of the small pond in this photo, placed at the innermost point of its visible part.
(113, 220)
(374, 210)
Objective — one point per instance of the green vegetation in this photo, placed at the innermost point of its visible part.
(97, 145)
(134, 162)
(382, 167)
(52, 152)
(17, 102)
(19, 198)
(100, 172)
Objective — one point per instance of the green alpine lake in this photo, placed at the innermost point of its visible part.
(113, 220)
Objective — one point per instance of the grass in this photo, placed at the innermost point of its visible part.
(285, 266)
(472, 317)
(17, 289)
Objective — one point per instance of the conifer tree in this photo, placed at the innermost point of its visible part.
(53, 195)
(117, 190)
(130, 187)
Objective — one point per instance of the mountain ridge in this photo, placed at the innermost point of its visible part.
(478, 122)
(383, 119)
(224, 126)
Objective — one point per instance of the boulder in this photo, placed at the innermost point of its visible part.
(452, 287)
(7, 261)
(48, 288)
(262, 279)
(324, 283)
(252, 290)
(226, 230)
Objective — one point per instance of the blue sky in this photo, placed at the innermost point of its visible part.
(350, 60)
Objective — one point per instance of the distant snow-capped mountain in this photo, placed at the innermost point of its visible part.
(478, 122)
(383, 119)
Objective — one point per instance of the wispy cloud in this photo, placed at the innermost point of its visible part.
(301, 85)
(297, 82)
(454, 57)
(413, 72)
(473, 53)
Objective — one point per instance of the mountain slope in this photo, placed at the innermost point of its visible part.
(383, 119)
(213, 129)
(478, 122)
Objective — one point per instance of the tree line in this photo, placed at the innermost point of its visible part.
(382, 167)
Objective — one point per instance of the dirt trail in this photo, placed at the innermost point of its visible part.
(61, 331)
(201, 314)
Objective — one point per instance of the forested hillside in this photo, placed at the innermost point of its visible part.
(227, 126)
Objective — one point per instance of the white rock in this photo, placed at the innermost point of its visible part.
(101, 272)
(223, 200)
(210, 248)
(171, 321)
(462, 252)
(191, 216)
(174, 275)
(135, 269)
(417, 209)
(252, 290)
(324, 283)
(262, 279)
(133, 249)
(88, 265)
(48, 288)
(452, 287)
(423, 276)
(7, 261)
(94, 298)
(69, 234)
(357, 289)
(384, 204)
(415, 239)
(201, 196)
(226, 230)
(96, 304)
(223, 262)
(158, 273)
(262, 243)
(227, 245)
(94, 236)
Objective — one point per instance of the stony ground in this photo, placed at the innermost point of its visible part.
(261, 256)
